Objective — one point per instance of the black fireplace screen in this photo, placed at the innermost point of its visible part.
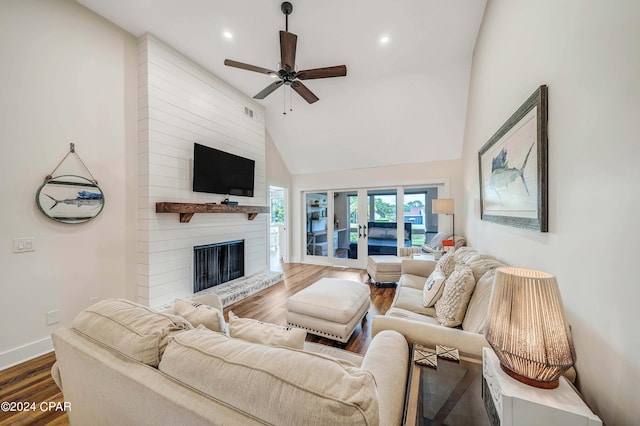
(214, 264)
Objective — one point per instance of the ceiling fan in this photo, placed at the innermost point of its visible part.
(288, 75)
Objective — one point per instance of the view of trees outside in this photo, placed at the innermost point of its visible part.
(277, 211)
(385, 208)
(413, 204)
(353, 211)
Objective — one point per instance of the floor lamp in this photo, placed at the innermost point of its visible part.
(445, 206)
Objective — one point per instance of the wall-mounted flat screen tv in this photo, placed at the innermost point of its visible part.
(220, 172)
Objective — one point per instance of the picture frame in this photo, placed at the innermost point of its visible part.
(513, 168)
(70, 199)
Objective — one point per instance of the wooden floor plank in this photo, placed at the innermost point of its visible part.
(31, 381)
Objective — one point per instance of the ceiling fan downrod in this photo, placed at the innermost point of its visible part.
(286, 8)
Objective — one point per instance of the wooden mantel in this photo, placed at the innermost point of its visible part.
(187, 210)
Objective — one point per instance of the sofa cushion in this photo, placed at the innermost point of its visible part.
(416, 282)
(411, 299)
(478, 310)
(132, 329)
(197, 314)
(264, 333)
(458, 287)
(257, 379)
(433, 288)
(411, 315)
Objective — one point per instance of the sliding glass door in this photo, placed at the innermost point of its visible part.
(345, 227)
(335, 228)
(383, 231)
(349, 228)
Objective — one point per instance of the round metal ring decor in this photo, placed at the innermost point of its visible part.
(70, 199)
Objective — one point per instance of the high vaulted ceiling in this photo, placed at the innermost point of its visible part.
(401, 102)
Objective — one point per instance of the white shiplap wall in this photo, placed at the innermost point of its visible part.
(180, 103)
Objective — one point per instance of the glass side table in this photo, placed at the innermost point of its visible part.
(449, 394)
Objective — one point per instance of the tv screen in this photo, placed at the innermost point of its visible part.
(219, 172)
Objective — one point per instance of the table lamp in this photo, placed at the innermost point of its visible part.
(445, 206)
(526, 327)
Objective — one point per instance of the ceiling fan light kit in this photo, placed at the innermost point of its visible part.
(288, 74)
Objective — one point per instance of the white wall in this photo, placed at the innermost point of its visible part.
(447, 173)
(67, 75)
(181, 103)
(278, 175)
(277, 171)
(588, 53)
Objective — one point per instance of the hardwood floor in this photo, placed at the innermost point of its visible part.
(31, 381)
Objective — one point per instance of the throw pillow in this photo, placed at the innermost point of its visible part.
(459, 242)
(267, 334)
(197, 313)
(458, 288)
(475, 318)
(447, 263)
(433, 288)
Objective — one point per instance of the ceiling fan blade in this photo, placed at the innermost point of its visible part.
(236, 64)
(268, 90)
(337, 71)
(304, 92)
(288, 43)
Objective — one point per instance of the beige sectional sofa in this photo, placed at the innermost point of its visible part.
(125, 364)
(409, 316)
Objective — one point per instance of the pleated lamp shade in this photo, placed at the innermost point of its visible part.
(526, 327)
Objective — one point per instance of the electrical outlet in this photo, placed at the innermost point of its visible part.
(53, 317)
(23, 245)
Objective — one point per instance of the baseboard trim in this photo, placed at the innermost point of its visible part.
(24, 353)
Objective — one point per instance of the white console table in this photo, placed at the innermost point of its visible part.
(511, 403)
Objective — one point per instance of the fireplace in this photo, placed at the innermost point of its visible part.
(214, 264)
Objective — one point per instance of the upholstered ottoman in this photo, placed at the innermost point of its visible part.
(384, 268)
(329, 308)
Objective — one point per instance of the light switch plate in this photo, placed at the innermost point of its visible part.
(23, 245)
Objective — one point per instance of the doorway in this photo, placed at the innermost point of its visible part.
(278, 235)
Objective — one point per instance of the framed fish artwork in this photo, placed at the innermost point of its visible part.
(70, 199)
(513, 168)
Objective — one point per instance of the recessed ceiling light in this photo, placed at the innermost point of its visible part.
(384, 39)
(227, 35)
